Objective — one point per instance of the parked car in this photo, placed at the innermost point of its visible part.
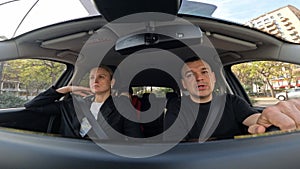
(55, 43)
(289, 94)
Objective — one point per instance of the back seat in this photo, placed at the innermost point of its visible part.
(155, 127)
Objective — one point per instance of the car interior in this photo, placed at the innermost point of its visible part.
(70, 43)
(145, 42)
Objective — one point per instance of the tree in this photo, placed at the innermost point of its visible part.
(1, 72)
(289, 72)
(8, 100)
(242, 71)
(261, 72)
(33, 74)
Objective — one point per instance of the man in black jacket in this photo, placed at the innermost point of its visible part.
(93, 116)
(237, 115)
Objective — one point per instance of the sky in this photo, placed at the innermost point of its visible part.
(239, 11)
(45, 12)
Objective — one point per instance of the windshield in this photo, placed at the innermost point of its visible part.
(275, 17)
(279, 18)
(21, 16)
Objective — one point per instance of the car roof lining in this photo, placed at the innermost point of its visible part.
(237, 43)
(238, 36)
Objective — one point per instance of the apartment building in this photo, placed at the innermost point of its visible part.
(283, 22)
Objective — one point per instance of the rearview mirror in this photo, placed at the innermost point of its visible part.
(163, 37)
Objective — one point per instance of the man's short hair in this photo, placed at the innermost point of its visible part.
(192, 59)
(188, 60)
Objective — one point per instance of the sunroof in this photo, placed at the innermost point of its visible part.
(197, 8)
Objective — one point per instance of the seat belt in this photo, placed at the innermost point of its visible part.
(82, 107)
(214, 116)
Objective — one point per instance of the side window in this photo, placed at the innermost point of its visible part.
(267, 82)
(23, 79)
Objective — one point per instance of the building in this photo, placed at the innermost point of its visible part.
(11, 86)
(283, 23)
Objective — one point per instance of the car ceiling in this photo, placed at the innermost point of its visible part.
(71, 36)
(64, 41)
(233, 43)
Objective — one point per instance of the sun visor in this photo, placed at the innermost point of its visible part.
(114, 9)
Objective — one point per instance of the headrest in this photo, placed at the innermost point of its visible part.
(114, 9)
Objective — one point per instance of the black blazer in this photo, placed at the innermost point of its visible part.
(48, 102)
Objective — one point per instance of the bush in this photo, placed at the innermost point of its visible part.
(10, 101)
(252, 100)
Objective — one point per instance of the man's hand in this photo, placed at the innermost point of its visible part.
(285, 115)
(79, 90)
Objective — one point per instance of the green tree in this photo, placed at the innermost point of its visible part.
(242, 71)
(33, 74)
(1, 72)
(289, 73)
(10, 101)
(262, 72)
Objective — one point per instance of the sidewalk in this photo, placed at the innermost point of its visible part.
(264, 101)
